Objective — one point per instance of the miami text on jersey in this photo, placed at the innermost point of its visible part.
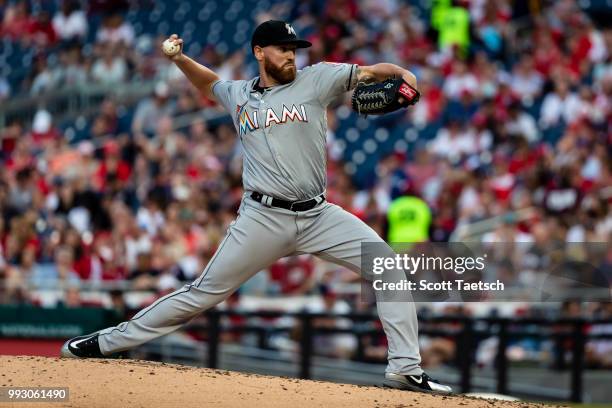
(249, 122)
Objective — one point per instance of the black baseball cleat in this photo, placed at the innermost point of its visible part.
(82, 347)
(418, 383)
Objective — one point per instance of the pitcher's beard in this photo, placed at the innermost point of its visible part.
(282, 75)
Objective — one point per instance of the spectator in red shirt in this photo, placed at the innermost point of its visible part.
(113, 172)
(17, 22)
(293, 275)
(41, 31)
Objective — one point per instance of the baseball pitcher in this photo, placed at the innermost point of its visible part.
(280, 118)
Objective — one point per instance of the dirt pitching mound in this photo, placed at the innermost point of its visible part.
(132, 383)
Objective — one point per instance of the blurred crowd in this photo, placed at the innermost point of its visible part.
(515, 114)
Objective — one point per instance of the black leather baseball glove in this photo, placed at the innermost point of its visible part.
(383, 97)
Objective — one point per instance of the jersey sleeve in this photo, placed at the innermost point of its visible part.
(331, 80)
(225, 93)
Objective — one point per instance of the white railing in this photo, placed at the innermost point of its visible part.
(72, 101)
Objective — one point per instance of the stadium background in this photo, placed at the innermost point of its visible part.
(118, 180)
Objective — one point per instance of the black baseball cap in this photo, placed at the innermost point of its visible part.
(274, 32)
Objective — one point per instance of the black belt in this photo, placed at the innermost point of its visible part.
(287, 205)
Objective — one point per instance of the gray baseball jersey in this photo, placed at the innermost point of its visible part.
(283, 134)
(283, 130)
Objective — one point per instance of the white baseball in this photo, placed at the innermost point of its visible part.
(170, 48)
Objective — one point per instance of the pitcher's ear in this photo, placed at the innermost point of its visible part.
(258, 52)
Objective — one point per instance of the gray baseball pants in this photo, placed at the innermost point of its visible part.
(255, 239)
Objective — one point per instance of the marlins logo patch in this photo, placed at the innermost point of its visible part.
(245, 123)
